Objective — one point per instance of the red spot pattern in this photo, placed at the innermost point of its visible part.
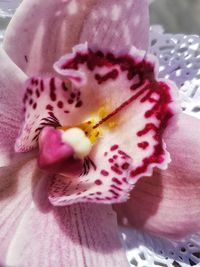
(143, 145)
(39, 113)
(98, 182)
(112, 181)
(114, 147)
(144, 71)
(104, 173)
(110, 185)
(60, 104)
(113, 74)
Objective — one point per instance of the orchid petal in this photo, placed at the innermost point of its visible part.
(117, 25)
(81, 235)
(32, 46)
(16, 182)
(11, 81)
(167, 203)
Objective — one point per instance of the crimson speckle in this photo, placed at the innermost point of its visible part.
(116, 187)
(148, 127)
(125, 166)
(120, 152)
(114, 193)
(72, 95)
(104, 173)
(37, 93)
(29, 91)
(98, 182)
(114, 147)
(143, 145)
(34, 105)
(124, 179)
(49, 107)
(116, 170)
(60, 104)
(79, 104)
(52, 84)
(51, 114)
(70, 101)
(117, 181)
(26, 58)
(34, 81)
(41, 85)
(113, 74)
(53, 96)
(52, 89)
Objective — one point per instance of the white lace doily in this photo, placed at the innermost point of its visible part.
(179, 57)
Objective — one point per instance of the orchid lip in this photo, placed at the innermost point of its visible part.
(122, 139)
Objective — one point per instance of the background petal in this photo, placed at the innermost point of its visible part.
(80, 235)
(168, 203)
(41, 31)
(11, 85)
(15, 195)
(115, 25)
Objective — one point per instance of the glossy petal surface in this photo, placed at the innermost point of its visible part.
(80, 235)
(34, 48)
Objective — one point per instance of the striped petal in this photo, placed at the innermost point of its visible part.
(117, 25)
(32, 46)
(49, 236)
(11, 83)
(16, 183)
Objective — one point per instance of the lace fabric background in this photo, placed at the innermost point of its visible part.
(179, 57)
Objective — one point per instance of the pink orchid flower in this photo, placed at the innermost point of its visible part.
(93, 115)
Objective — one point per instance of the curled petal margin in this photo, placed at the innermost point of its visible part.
(140, 103)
